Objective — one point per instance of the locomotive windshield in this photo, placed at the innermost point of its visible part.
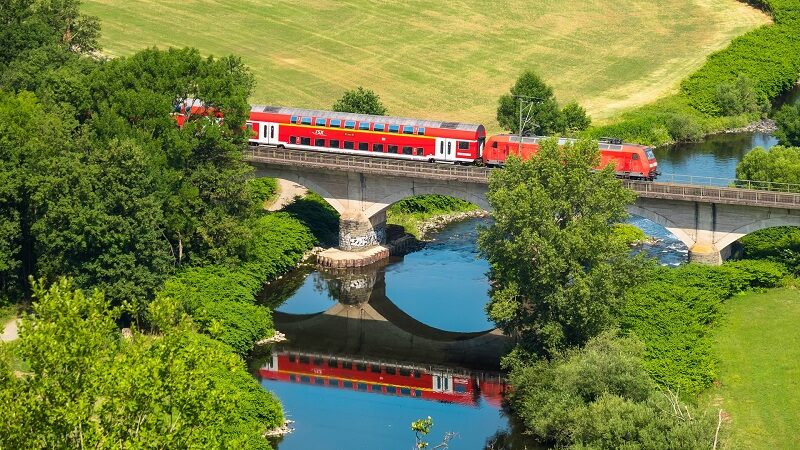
(649, 153)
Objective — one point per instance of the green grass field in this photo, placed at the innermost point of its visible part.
(447, 59)
(758, 348)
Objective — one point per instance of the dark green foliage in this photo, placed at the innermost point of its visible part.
(222, 300)
(673, 311)
(427, 204)
(178, 390)
(538, 106)
(778, 165)
(557, 272)
(601, 397)
(779, 244)
(360, 101)
(768, 56)
(318, 215)
(683, 129)
(788, 121)
(738, 97)
(572, 119)
(262, 190)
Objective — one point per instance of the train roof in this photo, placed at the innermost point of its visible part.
(368, 118)
(561, 141)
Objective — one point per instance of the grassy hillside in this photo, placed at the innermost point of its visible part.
(758, 349)
(441, 59)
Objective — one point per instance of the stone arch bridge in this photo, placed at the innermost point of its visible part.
(708, 219)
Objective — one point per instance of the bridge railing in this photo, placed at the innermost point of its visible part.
(731, 195)
(728, 182)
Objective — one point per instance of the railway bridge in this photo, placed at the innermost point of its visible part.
(708, 219)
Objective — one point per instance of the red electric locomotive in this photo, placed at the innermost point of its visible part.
(629, 160)
(383, 378)
(388, 137)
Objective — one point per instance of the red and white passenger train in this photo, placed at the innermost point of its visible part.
(384, 378)
(413, 139)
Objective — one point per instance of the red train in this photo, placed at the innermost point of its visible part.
(384, 378)
(412, 139)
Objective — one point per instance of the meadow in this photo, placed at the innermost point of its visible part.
(758, 349)
(448, 60)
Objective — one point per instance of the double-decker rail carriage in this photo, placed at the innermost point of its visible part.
(384, 136)
(629, 160)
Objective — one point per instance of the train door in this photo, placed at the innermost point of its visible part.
(445, 149)
(442, 382)
(270, 134)
(272, 363)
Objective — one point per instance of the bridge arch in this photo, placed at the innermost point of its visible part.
(309, 184)
(779, 221)
(673, 228)
(476, 198)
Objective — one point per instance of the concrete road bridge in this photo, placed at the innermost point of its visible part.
(708, 219)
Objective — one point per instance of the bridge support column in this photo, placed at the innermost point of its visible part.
(358, 232)
(705, 254)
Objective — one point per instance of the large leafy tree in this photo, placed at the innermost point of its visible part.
(538, 105)
(779, 165)
(87, 387)
(788, 121)
(557, 271)
(361, 101)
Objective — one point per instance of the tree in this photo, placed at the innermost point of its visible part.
(788, 121)
(539, 106)
(573, 118)
(778, 165)
(87, 387)
(737, 98)
(361, 101)
(557, 272)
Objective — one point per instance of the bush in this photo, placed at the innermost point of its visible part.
(262, 190)
(683, 129)
(778, 165)
(778, 244)
(788, 121)
(629, 234)
(317, 215)
(738, 98)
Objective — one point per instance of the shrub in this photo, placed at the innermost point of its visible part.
(317, 215)
(262, 189)
(788, 121)
(778, 165)
(779, 244)
(738, 98)
(629, 234)
(683, 128)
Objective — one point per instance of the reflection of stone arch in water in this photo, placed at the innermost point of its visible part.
(378, 327)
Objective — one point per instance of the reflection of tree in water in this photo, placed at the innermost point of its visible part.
(514, 438)
(722, 146)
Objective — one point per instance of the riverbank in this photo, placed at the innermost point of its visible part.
(758, 350)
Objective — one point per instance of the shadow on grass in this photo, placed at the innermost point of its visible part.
(318, 216)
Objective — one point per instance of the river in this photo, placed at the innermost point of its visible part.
(371, 350)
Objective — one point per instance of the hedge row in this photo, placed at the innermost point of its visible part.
(222, 300)
(672, 313)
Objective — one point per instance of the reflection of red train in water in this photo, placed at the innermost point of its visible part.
(410, 139)
(384, 378)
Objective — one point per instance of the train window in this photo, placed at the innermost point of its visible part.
(334, 383)
(391, 390)
(375, 368)
(305, 141)
(319, 142)
(463, 145)
(392, 148)
(347, 365)
(417, 374)
(361, 367)
(333, 143)
(363, 126)
(635, 156)
(408, 150)
(362, 386)
(292, 377)
(319, 381)
(292, 358)
(304, 359)
(390, 370)
(378, 127)
(408, 130)
(405, 372)
(417, 393)
(336, 123)
(306, 120)
(377, 148)
(350, 124)
(405, 391)
(460, 388)
(377, 388)
(649, 153)
(449, 145)
(349, 145)
(317, 361)
(420, 151)
(363, 146)
(292, 139)
(305, 379)
(333, 363)
(320, 122)
(421, 130)
(494, 144)
(394, 128)
(347, 384)
(293, 119)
